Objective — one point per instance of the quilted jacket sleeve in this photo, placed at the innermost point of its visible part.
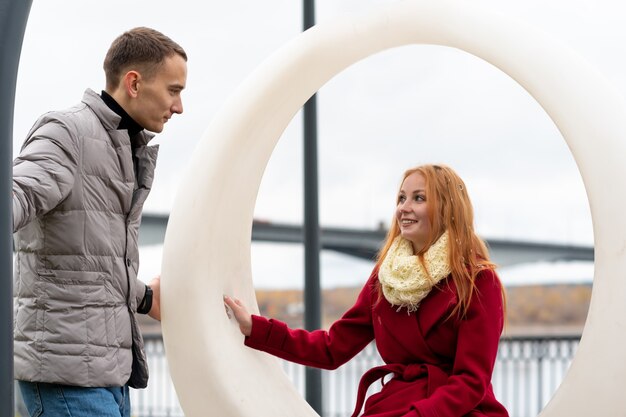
(321, 349)
(43, 173)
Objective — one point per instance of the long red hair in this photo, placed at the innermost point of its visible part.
(449, 208)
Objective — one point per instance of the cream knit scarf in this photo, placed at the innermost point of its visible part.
(404, 281)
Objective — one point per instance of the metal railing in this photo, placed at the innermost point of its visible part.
(528, 370)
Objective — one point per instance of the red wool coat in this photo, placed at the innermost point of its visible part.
(442, 366)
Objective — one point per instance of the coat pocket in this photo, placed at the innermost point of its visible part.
(78, 288)
(74, 305)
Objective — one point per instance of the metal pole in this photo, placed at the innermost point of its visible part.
(312, 293)
(13, 18)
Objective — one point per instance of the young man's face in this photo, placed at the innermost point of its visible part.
(159, 97)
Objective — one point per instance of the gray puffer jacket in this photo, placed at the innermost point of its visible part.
(77, 200)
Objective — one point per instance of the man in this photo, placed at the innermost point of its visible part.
(79, 185)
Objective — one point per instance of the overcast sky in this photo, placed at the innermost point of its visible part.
(400, 108)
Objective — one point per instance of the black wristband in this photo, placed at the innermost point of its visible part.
(146, 303)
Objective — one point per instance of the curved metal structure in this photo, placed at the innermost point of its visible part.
(207, 246)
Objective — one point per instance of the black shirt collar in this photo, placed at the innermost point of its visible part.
(127, 122)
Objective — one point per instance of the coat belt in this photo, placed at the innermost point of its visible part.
(436, 377)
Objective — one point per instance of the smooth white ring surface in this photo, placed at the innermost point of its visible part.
(207, 245)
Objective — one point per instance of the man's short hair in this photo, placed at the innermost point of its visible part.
(142, 49)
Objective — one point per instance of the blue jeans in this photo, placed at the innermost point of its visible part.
(54, 400)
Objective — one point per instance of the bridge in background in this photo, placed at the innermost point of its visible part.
(363, 243)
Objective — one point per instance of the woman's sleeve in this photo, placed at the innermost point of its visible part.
(321, 349)
(477, 346)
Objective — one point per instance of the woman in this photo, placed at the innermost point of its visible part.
(433, 304)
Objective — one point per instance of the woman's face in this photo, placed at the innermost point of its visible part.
(411, 212)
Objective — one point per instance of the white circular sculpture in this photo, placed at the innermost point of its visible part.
(207, 245)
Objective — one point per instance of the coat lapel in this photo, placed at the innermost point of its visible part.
(400, 339)
(403, 337)
(436, 307)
